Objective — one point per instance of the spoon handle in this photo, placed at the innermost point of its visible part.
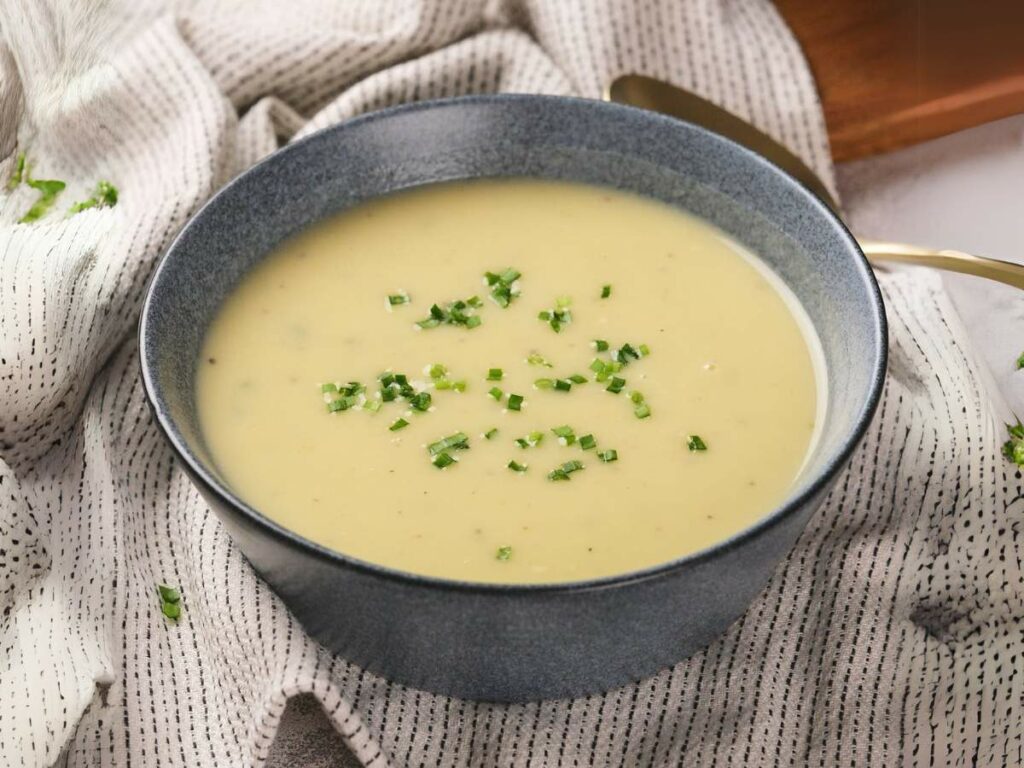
(951, 261)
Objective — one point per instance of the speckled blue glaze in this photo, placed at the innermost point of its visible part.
(497, 642)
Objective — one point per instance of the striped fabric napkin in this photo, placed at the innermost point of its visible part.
(891, 636)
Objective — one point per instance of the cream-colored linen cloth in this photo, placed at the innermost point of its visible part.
(891, 636)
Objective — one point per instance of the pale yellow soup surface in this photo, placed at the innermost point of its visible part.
(731, 360)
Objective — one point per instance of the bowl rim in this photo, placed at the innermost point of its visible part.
(832, 465)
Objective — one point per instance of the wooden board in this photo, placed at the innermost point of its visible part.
(897, 72)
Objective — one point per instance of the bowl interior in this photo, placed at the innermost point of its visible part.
(543, 137)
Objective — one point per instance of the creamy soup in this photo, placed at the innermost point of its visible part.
(511, 381)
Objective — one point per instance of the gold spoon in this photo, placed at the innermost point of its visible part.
(659, 96)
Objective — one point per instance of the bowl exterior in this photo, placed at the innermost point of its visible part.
(507, 642)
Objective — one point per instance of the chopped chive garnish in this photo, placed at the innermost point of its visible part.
(610, 455)
(398, 424)
(566, 435)
(459, 386)
(437, 371)
(336, 405)
(563, 385)
(372, 405)
(395, 299)
(490, 433)
(328, 387)
(168, 594)
(48, 189)
(503, 553)
(587, 442)
(616, 385)
(103, 196)
(644, 350)
(1020, 361)
(544, 383)
(578, 379)
(420, 401)
(515, 402)
(19, 171)
(170, 601)
(456, 442)
(597, 366)
(640, 408)
(1013, 449)
(515, 466)
(600, 345)
(504, 286)
(531, 440)
(626, 353)
(537, 359)
(443, 460)
(606, 291)
(442, 384)
(563, 472)
(453, 313)
(495, 374)
(695, 443)
(559, 316)
(496, 393)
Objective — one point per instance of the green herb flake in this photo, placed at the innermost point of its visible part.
(328, 387)
(640, 408)
(1020, 361)
(455, 442)
(443, 460)
(504, 286)
(460, 313)
(566, 435)
(544, 383)
(1013, 449)
(515, 402)
(538, 359)
(600, 345)
(695, 443)
(503, 553)
(398, 424)
(531, 440)
(490, 433)
(372, 405)
(103, 196)
(587, 442)
(170, 601)
(168, 594)
(49, 190)
(616, 385)
(559, 316)
(607, 456)
(563, 385)
(495, 374)
(420, 401)
(606, 291)
(18, 173)
(397, 299)
(496, 393)
(437, 371)
(563, 472)
(515, 466)
(578, 379)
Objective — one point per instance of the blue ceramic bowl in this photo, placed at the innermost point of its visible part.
(497, 642)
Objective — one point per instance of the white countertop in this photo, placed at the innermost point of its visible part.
(965, 192)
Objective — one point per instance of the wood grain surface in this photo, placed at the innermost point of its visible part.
(897, 72)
